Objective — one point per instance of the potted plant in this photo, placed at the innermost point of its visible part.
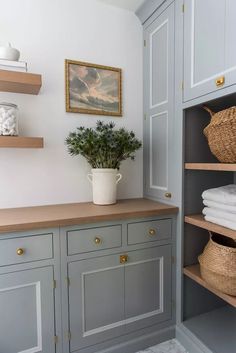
(104, 148)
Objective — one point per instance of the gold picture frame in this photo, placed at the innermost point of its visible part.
(93, 89)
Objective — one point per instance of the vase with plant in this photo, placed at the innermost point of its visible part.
(104, 147)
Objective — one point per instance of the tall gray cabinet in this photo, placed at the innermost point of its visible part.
(204, 64)
(159, 105)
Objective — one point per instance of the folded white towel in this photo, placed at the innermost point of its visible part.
(221, 222)
(224, 194)
(213, 212)
(220, 206)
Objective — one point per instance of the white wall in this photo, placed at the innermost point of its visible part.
(47, 32)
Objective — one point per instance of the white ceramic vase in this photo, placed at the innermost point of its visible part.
(104, 182)
(9, 53)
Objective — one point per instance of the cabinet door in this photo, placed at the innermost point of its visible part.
(209, 46)
(148, 287)
(27, 311)
(159, 106)
(96, 300)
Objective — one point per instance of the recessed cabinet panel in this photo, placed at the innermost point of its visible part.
(148, 287)
(209, 46)
(159, 151)
(96, 300)
(159, 65)
(207, 55)
(159, 154)
(27, 312)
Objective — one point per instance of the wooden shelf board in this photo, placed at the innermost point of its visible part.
(20, 82)
(21, 142)
(194, 273)
(212, 166)
(199, 221)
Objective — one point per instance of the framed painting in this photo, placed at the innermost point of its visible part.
(93, 89)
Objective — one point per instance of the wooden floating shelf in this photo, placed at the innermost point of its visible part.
(211, 166)
(20, 82)
(21, 142)
(199, 221)
(194, 273)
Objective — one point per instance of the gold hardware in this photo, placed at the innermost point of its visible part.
(144, 42)
(123, 259)
(97, 240)
(168, 195)
(68, 281)
(152, 232)
(55, 339)
(69, 335)
(183, 8)
(182, 85)
(54, 284)
(220, 81)
(145, 116)
(20, 251)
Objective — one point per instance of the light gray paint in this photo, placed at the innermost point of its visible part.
(148, 8)
(159, 106)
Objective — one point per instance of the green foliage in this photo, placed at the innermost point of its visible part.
(103, 146)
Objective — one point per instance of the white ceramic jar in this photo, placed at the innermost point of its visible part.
(104, 181)
(8, 119)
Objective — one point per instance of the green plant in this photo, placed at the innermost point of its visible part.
(103, 146)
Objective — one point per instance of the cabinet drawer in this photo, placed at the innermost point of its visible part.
(93, 239)
(144, 232)
(25, 249)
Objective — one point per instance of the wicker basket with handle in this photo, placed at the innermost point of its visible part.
(218, 264)
(221, 134)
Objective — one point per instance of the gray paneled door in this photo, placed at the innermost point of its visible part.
(96, 300)
(159, 106)
(27, 311)
(108, 299)
(209, 46)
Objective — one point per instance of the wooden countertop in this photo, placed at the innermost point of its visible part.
(27, 218)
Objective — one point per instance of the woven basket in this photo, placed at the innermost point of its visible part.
(218, 264)
(221, 134)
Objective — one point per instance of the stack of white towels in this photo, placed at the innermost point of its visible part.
(221, 206)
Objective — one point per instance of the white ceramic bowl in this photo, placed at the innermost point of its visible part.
(9, 53)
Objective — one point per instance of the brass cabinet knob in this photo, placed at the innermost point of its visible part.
(152, 232)
(220, 81)
(168, 195)
(97, 240)
(123, 259)
(20, 251)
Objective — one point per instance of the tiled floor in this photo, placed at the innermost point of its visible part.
(172, 346)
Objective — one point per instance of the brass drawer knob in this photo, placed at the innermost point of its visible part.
(123, 259)
(97, 240)
(220, 81)
(152, 232)
(168, 195)
(20, 251)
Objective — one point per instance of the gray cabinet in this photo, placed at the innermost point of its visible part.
(27, 292)
(115, 292)
(209, 46)
(159, 106)
(27, 311)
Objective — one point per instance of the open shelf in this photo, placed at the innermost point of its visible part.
(21, 142)
(199, 221)
(211, 166)
(194, 273)
(215, 329)
(20, 82)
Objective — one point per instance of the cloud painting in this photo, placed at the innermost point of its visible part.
(93, 89)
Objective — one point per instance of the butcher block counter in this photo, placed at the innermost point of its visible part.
(26, 218)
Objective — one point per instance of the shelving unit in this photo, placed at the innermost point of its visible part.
(211, 166)
(199, 221)
(193, 272)
(20, 82)
(21, 142)
(208, 314)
